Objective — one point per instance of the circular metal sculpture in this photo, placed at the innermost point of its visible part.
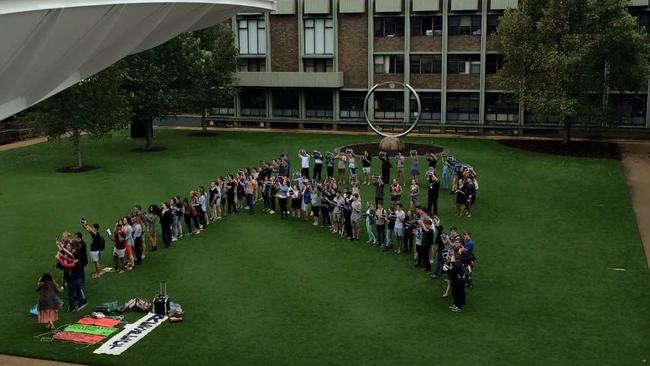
(392, 85)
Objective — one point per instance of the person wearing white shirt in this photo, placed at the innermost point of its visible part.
(304, 159)
(399, 227)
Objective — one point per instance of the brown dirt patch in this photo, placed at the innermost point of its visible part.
(636, 163)
(6, 360)
(584, 149)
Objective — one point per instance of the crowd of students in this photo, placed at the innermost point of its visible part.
(325, 200)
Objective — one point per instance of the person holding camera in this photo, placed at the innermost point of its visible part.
(456, 271)
(415, 194)
(400, 216)
(316, 200)
(304, 163)
(151, 221)
(342, 159)
(395, 193)
(366, 161)
(215, 201)
(283, 194)
(461, 198)
(446, 174)
(329, 157)
(48, 300)
(370, 222)
(138, 239)
(432, 193)
(470, 191)
(378, 182)
(97, 244)
(415, 170)
(385, 167)
(409, 225)
(128, 232)
(119, 249)
(352, 165)
(355, 216)
(432, 160)
(380, 223)
(338, 204)
(318, 166)
(390, 228)
(166, 224)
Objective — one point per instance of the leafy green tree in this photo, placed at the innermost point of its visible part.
(95, 106)
(562, 56)
(216, 64)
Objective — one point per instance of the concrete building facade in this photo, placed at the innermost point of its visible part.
(310, 63)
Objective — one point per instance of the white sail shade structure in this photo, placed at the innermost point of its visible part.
(47, 46)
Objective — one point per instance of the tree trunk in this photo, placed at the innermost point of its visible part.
(149, 127)
(76, 140)
(566, 134)
(204, 121)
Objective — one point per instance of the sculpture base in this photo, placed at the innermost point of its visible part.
(391, 144)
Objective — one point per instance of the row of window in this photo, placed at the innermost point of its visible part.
(432, 64)
(431, 25)
(461, 107)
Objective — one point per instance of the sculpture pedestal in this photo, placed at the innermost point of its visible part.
(391, 144)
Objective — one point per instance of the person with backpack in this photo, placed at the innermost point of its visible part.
(97, 245)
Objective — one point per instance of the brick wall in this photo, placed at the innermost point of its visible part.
(389, 44)
(379, 78)
(353, 49)
(284, 43)
(425, 81)
(464, 43)
(463, 82)
(426, 44)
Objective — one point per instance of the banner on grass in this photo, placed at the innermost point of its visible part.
(131, 334)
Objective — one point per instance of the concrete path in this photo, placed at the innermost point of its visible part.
(21, 361)
(15, 145)
(636, 162)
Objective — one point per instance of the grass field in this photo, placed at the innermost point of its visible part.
(257, 290)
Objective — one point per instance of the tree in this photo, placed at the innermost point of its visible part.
(95, 106)
(563, 56)
(216, 65)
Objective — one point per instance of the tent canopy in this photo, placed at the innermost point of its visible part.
(49, 45)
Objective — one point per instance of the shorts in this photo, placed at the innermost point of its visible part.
(341, 171)
(337, 217)
(94, 256)
(366, 170)
(399, 232)
(315, 210)
(304, 207)
(119, 252)
(129, 250)
(353, 172)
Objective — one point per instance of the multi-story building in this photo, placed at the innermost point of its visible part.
(311, 63)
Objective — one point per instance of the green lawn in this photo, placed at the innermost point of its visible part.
(257, 290)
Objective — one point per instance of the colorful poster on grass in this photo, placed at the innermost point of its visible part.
(131, 334)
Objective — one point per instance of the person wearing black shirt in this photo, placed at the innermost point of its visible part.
(432, 160)
(379, 191)
(166, 224)
(232, 185)
(385, 167)
(347, 216)
(461, 198)
(409, 225)
(440, 247)
(318, 165)
(76, 297)
(434, 191)
(456, 276)
(82, 255)
(96, 246)
(366, 161)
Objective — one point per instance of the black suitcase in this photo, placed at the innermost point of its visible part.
(161, 301)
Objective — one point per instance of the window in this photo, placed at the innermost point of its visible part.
(252, 64)
(389, 64)
(430, 106)
(493, 63)
(351, 104)
(252, 37)
(462, 107)
(253, 102)
(426, 25)
(389, 27)
(643, 19)
(319, 37)
(389, 105)
(464, 25)
(426, 64)
(464, 64)
(318, 65)
(501, 108)
(492, 23)
(226, 108)
(319, 104)
(286, 103)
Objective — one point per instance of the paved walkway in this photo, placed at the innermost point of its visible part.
(636, 162)
(15, 145)
(21, 361)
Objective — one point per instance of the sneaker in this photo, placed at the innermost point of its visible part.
(456, 310)
(174, 239)
(271, 212)
(82, 306)
(120, 271)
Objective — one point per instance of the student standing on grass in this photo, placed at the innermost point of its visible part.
(446, 171)
(456, 272)
(400, 216)
(341, 167)
(440, 247)
(461, 198)
(48, 300)
(433, 192)
(381, 225)
(355, 216)
(187, 215)
(119, 250)
(249, 190)
(337, 210)
(304, 163)
(415, 194)
(76, 297)
(399, 162)
(138, 234)
(366, 162)
(385, 167)
(370, 222)
(283, 194)
(470, 196)
(409, 225)
(415, 171)
(330, 166)
(151, 218)
(166, 224)
(232, 187)
(316, 200)
(347, 215)
(128, 232)
(379, 190)
(395, 193)
(390, 228)
(318, 166)
(96, 246)
(214, 201)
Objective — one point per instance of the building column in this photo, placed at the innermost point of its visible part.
(336, 110)
(481, 103)
(407, 59)
(267, 22)
(335, 64)
(269, 108)
(443, 81)
(371, 57)
(302, 107)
